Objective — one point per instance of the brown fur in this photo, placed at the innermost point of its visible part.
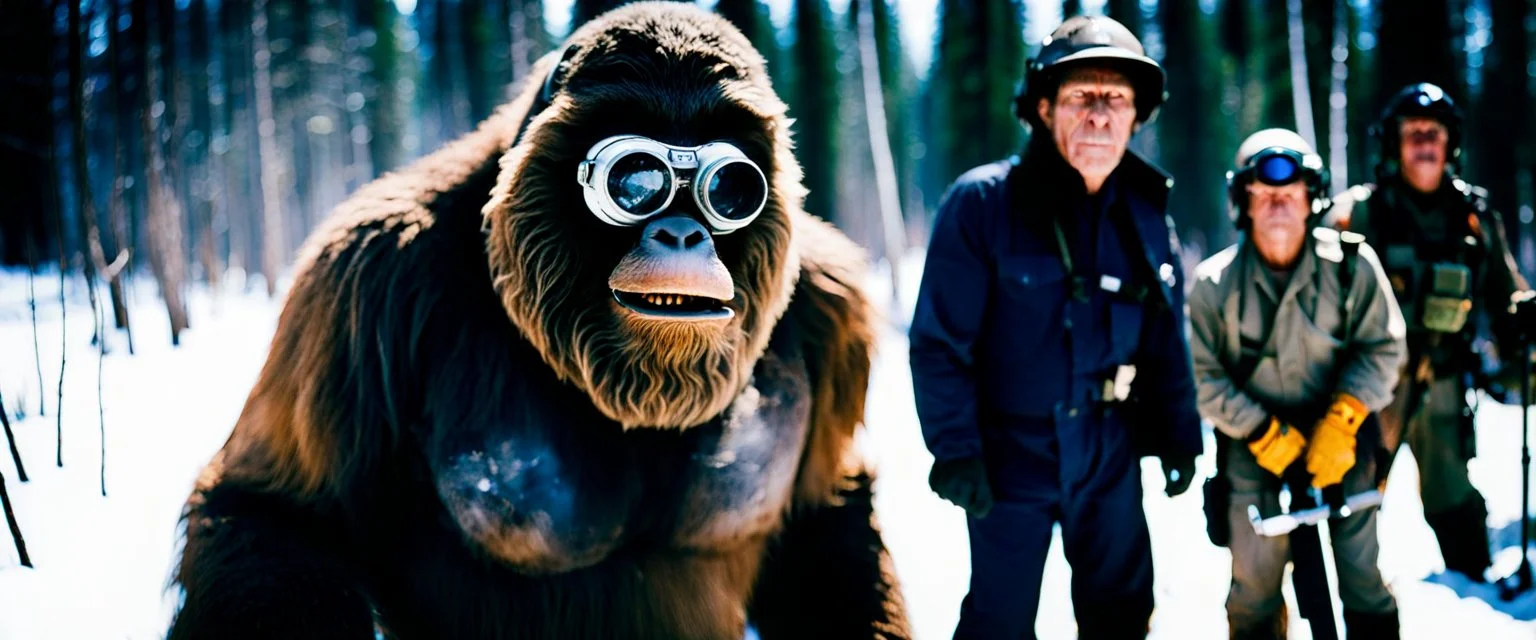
(638, 373)
(458, 292)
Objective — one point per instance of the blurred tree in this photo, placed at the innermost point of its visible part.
(1360, 87)
(1499, 135)
(164, 225)
(288, 29)
(754, 20)
(88, 240)
(1418, 43)
(814, 105)
(380, 126)
(529, 37)
(584, 10)
(977, 69)
(117, 205)
(487, 65)
(271, 167)
(238, 132)
(1193, 144)
(1128, 13)
(27, 222)
(899, 78)
(200, 207)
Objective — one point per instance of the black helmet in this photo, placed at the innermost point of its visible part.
(1422, 99)
(1095, 40)
(1275, 157)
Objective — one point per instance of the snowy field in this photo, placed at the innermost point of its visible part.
(102, 564)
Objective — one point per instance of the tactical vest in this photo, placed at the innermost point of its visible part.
(1435, 282)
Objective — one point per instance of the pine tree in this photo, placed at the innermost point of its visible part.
(1192, 143)
(1499, 123)
(585, 10)
(815, 105)
(977, 70)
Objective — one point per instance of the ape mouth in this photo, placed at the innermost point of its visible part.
(673, 306)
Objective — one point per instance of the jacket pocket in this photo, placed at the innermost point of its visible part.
(1032, 292)
(1030, 276)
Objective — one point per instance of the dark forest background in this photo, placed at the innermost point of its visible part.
(189, 140)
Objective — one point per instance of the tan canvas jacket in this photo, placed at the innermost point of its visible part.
(1307, 357)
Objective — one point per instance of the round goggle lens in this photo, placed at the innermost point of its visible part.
(736, 191)
(1278, 170)
(639, 183)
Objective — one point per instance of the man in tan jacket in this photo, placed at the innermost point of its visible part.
(1296, 340)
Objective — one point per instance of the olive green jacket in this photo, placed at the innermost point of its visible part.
(1311, 352)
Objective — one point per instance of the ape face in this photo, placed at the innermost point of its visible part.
(660, 317)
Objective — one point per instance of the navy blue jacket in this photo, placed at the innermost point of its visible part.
(998, 333)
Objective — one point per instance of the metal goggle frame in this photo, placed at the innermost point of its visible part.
(619, 164)
(1278, 166)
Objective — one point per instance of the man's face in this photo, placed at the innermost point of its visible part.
(1422, 152)
(1279, 216)
(1092, 120)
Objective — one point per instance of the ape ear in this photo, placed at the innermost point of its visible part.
(837, 332)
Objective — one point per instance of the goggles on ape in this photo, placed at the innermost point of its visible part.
(628, 179)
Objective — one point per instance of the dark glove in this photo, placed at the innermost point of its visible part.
(963, 481)
(1179, 471)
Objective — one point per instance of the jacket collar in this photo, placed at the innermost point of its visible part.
(1041, 174)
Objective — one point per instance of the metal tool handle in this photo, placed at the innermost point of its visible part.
(1285, 523)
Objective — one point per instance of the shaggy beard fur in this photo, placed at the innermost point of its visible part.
(550, 260)
(637, 371)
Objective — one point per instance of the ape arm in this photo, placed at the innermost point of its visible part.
(255, 568)
(828, 573)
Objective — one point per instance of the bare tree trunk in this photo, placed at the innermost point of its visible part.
(1338, 100)
(117, 207)
(37, 352)
(90, 240)
(270, 168)
(1301, 92)
(880, 148)
(10, 520)
(166, 260)
(97, 257)
(10, 438)
(101, 410)
(521, 44)
(58, 405)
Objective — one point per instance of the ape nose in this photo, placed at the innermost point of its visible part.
(676, 234)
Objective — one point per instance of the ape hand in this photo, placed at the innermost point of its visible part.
(1332, 452)
(1277, 446)
(963, 481)
(1179, 472)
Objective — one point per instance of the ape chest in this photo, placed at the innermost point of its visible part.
(545, 501)
(739, 480)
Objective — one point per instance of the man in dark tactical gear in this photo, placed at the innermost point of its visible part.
(1296, 340)
(1051, 279)
(1445, 253)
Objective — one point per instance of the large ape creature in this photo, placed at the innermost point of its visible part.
(518, 392)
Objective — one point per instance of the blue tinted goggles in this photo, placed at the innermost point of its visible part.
(1276, 167)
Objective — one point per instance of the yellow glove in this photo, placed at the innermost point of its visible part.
(1278, 446)
(1332, 453)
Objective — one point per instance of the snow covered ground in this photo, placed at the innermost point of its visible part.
(102, 564)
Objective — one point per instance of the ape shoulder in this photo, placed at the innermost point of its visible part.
(837, 330)
(341, 352)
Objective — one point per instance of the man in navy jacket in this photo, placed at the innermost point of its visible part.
(1051, 280)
